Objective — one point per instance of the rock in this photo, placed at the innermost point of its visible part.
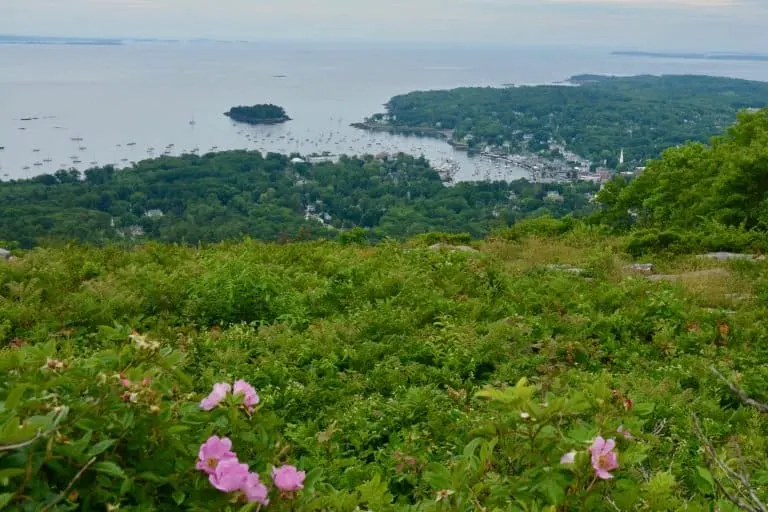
(725, 256)
(710, 272)
(462, 248)
(566, 268)
(5, 254)
(641, 268)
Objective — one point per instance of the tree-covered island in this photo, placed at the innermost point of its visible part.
(258, 114)
(592, 116)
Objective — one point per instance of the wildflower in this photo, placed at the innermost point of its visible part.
(229, 476)
(287, 478)
(130, 397)
(218, 394)
(625, 432)
(142, 343)
(525, 415)
(568, 458)
(55, 364)
(125, 382)
(604, 459)
(250, 398)
(214, 451)
(254, 490)
(154, 409)
(628, 403)
(444, 493)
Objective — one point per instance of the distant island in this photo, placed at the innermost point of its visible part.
(47, 40)
(694, 56)
(258, 114)
(590, 120)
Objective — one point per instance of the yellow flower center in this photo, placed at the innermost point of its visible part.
(212, 462)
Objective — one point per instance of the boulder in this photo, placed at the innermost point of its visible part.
(725, 256)
(641, 268)
(5, 254)
(462, 248)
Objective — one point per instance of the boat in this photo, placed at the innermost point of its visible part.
(26, 168)
(130, 144)
(82, 148)
(35, 150)
(2, 148)
(76, 139)
(47, 160)
(76, 162)
(37, 164)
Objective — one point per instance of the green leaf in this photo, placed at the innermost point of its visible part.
(100, 447)
(8, 473)
(14, 397)
(5, 499)
(705, 482)
(177, 429)
(178, 496)
(109, 468)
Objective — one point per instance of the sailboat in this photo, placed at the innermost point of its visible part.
(192, 122)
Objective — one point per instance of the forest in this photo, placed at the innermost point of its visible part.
(258, 114)
(594, 117)
(231, 195)
(588, 364)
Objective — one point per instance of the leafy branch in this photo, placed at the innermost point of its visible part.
(744, 495)
(743, 396)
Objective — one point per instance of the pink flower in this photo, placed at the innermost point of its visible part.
(568, 458)
(604, 459)
(287, 478)
(125, 382)
(254, 490)
(218, 394)
(230, 475)
(214, 451)
(250, 398)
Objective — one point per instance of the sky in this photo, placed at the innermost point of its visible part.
(704, 25)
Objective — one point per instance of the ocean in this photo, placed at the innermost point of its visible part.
(97, 105)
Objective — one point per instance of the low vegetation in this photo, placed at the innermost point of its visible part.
(395, 377)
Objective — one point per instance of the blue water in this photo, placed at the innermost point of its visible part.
(148, 93)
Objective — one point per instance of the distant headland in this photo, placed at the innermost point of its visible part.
(694, 56)
(47, 40)
(258, 114)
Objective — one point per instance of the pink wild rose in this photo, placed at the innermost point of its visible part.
(213, 451)
(254, 490)
(230, 475)
(604, 459)
(287, 478)
(250, 397)
(218, 394)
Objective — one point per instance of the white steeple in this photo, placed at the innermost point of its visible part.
(621, 157)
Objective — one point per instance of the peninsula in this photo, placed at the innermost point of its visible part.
(606, 120)
(258, 114)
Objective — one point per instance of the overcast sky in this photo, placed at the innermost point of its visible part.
(707, 25)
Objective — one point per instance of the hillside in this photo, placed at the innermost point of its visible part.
(643, 115)
(391, 375)
(232, 194)
(593, 364)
